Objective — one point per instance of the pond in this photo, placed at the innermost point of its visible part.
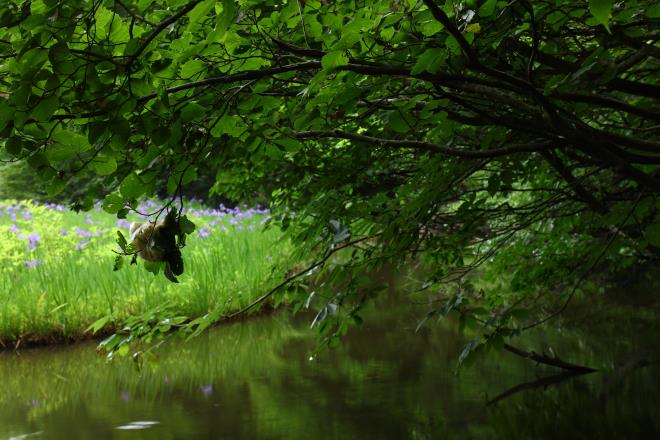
(257, 379)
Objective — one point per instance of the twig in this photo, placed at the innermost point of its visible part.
(134, 15)
(297, 275)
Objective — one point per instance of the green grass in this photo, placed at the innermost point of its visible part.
(56, 274)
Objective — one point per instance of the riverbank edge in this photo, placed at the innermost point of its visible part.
(55, 340)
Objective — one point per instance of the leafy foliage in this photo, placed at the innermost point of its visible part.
(458, 131)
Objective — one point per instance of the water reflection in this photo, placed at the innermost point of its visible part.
(256, 380)
(137, 425)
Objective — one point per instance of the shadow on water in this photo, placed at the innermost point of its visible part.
(255, 379)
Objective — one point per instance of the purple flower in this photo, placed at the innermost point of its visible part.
(251, 228)
(89, 220)
(14, 229)
(233, 221)
(83, 233)
(123, 223)
(64, 232)
(81, 245)
(54, 207)
(33, 241)
(32, 263)
(207, 390)
(204, 232)
(27, 215)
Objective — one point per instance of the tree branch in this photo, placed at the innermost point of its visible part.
(134, 15)
(427, 146)
(547, 360)
(158, 29)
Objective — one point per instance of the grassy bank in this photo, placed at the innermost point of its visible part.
(56, 274)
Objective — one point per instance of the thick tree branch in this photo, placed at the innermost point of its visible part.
(608, 102)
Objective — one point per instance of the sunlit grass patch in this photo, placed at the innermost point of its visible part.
(56, 274)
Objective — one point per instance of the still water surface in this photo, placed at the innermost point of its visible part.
(256, 380)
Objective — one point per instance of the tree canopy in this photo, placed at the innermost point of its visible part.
(522, 133)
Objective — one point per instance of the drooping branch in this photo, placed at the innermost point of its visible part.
(579, 190)
(226, 79)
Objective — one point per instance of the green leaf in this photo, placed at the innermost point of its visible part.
(121, 241)
(122, 350)
(468, 351)
(488, 8)
(72, 140)
(38, 161)
(653, 11)
(652, 233)
(229, 124)
(131, 187)
(56, 187)
(333, 60)
(199, 12)
(45, 109)
(118, 263)
(6, 113)
(153, 266)
(226, 17)
(104, 165)
(192, 68)
(193, 112)
(431, 28)
(14, 146)
(109, 343)
(99, 324)
(602, 11)
(429, 61)
(113, 202)
(186, 226)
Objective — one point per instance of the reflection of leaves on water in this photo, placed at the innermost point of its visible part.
(146, 424)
